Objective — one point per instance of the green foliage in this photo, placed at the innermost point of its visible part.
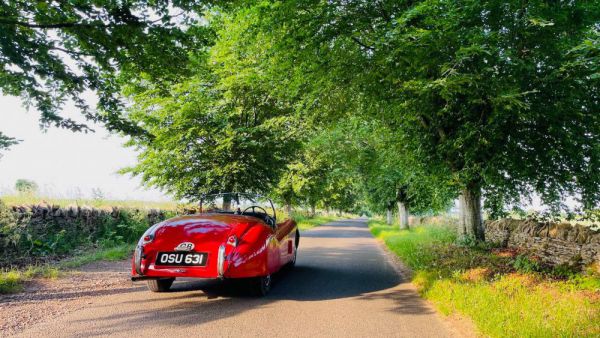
(524, 264)
(29, 239)
(493, 98)
(54, 51)
(11, 281)
(308, 222)
(6, 142)
(24, 186)
(208, 137)
(332, 104)
(417, 247)
(115, 253)
(475, 282)
(510, 307)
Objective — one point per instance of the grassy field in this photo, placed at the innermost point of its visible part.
(506, 295)
(26, 199)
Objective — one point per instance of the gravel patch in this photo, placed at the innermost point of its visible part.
(45, 299)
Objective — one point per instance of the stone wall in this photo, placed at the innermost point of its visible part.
(432, 220)
(43, 213)
(30, 234)
(553, 243)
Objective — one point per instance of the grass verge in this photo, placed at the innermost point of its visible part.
(11, 281)
(505, 293)
(305, 222)
(116, 253)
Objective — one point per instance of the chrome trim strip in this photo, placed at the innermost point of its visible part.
(221, 260)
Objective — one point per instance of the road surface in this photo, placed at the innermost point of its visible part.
(343, 285)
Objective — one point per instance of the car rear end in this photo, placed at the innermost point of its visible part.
(196, 246)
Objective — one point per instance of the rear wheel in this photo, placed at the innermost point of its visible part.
(160, 285)
(261, 285)
(292, 263)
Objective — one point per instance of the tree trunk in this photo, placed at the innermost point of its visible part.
(312, 210)
(227, 202)
(470, 222)
(389, 216)
(403, 215)
(288, 210)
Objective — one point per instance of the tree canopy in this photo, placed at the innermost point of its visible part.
(207, 137)
(502, 94)
(24, 186)
(52, 52)
(333, 104)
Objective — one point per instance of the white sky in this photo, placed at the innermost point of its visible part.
(62, 162)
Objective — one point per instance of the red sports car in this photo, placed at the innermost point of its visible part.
(233, 236)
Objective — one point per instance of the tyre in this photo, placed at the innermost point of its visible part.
(261, 285)
(160, 285)
(292, 263)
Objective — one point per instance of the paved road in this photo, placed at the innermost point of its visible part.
(342, 285)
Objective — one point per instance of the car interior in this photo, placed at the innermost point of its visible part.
(237, 205)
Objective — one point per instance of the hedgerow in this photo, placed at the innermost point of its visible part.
(31, 238)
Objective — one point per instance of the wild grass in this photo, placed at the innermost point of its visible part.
(307, 222)
(116, 253)
(11, 281)
(504, 295)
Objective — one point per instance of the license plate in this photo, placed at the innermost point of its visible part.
(181, 258)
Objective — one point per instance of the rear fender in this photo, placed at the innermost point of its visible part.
(254, 255)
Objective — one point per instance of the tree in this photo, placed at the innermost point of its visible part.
(54, 51)
(389, 176)
(6, 142)
(98, 194)
(24, 186)
(210, 136)
(481, 91)
(496, 92)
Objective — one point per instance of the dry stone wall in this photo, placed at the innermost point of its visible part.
(553, 243)
(43, 213)
(39, 232)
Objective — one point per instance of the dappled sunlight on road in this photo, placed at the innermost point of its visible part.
(342, 284)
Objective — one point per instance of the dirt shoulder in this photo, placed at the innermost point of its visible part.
(44, 299)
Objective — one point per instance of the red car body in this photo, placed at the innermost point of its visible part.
(232, 246)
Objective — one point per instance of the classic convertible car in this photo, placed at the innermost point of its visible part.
(233, 236)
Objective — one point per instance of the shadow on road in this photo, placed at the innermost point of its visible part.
(322, 272)
(339, 260)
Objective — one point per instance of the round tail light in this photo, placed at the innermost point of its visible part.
(232, 240)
